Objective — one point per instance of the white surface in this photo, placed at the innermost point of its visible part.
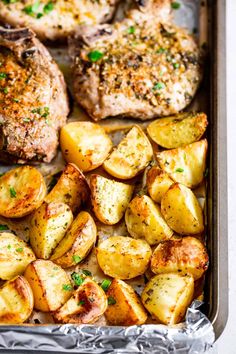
(226, 344)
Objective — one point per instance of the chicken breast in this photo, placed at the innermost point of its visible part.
(34, 103)
(141, 67)
(55, 19)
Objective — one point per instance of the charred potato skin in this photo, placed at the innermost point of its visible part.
(16, 301)
(79, 240)
(22, 191)
(15, 255)
(71, 188)
(123, 257)
(128, 309)
(85, 306)
(47, 281)
(158, 183)
(186, 255)
(48, 226)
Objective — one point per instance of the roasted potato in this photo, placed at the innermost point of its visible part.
(15, 255)
(131, 156)
(86, 144)
(123, 257)
(16, 301)
(48, 226)
(50, 284)
(185, 255)
(77, 243)
(167, 296)
(185, 165)
(124, 307)
(86, 304)
(175, 131)
(144, 220)
(182, 211)
(109, 198)
(158, 183)
(22, 190)
(71, 188)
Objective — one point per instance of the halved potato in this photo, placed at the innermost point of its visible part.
(175, 131)
(125, 308)
(86, 304)
(77, 243)
(22, 190)
(16, 301)
(185, 255)
(123, 257)
(131, 156)
(50, 284)
(71, 188)
(15, 255)
(182, 211)
(158, 183)
(185, 165)
(109, 198)
(167, 296)
(48, 226)
(86, 144)
(144, 220)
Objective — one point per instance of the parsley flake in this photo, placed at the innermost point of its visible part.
(95, 55)
(111, 300)
(179, 169)
(175, 5)
(131, 30)
(12, 192)
(4, 227)
(78, 280)
(67, 287)
(158, 86)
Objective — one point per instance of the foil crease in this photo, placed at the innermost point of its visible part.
(194, 336)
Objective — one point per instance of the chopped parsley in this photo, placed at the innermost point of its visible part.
(9, 247)
(175, 5)
(176, 65)
(3, 76)
(31, 10)
(95, 55)
(20, 249)
(161, 50)
(48, 7)
(86, 272)
(105, 284)
(42, 111)
(3, 227)
(5, 90)
(12, 192)
(78, 280)
(111, 300)
(158, 86)
(81, 303)
(131, 30)
(179, 169)
(67, 287)
(76, 259)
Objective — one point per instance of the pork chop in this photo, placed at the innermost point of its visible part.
(34, 103)
(55, 19)
(141, 67)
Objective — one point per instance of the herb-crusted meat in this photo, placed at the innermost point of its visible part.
(33, 96)
(142, 67)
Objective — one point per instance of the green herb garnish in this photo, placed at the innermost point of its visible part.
(175, 5)
(12, 192)
(81, 303)
(158, 86)
(86, 272)
(67, 287)
(105, 284)
(131, 30)
(76, 259)
(4, 227)
(179, 169)
(48, 7)
(20, 249)
(111, 300)
(78, 280)
(3, 76)
(95, 55)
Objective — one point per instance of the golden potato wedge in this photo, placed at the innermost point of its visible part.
(48, 226)
(109, 198)
(50, 284)
(86, 144)
(78, 241)
(86, 305)
(144, 220)
(22, 190)
(131, 156)
(123, 257)
(182, 211)
(124, 306)
(71, 188)
(175, 131)
(167, 296)
(15, 255)
(16, 301)
(185, 255)
(185, 165)
(158, 183)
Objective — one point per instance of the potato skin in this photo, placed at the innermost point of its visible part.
(71, 188)
(123, 257)
(109, 198)
(186, 255)
(86, 144)
(78, 241)
(131, 156)
(22, 191)
(15, 255)
(175, 131)
(182, 211)
(144, 220)
(48, 226)
(158, 183)
(16, 301)
(85, 306)
(167, 296)
(48, 281)
(128, 309)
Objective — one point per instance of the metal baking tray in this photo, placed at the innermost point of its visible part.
(43, 338)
